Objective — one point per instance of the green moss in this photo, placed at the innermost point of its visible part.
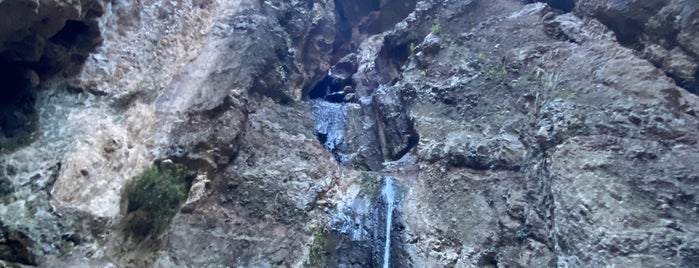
(153, 198)
(497, 74)
(436, 26)
(317, 248)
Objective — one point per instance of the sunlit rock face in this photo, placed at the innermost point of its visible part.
(514, 133)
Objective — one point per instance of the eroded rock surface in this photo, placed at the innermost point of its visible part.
(518, 133)
(493, 126)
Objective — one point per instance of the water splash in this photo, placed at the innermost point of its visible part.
(389, 194)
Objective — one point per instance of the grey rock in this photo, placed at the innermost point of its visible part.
(523, 135)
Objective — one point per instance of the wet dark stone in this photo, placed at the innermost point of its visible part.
(689, 256)
(5, 187)
(358, 240)
(335, 97)
(14, 247)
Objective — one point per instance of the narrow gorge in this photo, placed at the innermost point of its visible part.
(343, 133)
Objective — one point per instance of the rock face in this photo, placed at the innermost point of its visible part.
(663, 32)
(39, 39)
(518, 133)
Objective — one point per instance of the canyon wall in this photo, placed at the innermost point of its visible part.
(517, 133)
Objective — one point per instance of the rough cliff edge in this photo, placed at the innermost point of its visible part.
(520, 133)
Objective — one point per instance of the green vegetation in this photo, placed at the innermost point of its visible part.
(314, 258)
(497, 75)
(153, 198)
(436, 27)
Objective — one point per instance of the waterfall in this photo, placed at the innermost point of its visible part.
(389, 195)
(330, 125)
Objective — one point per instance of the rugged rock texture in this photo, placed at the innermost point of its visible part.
(663, 32)
(518, 133)
(49, 35)
(498, 126)
(39, 39)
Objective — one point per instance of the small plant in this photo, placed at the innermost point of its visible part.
(153, 198)
(316, 249)
(496, 74)
(436, 27)
(412, 48)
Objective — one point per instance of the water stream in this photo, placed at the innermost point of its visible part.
(361, 229)
(389, 194)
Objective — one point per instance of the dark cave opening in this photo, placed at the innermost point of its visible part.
(394, 56)
(67, 50)
(413, 140)
(17, 98)
(563, 5)
(65, 53)
(320, 90)
(355, 21)
(322, 137)
(70, 33)
(331, 90)
(489, 260)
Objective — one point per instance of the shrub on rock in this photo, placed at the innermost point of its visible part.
(153, 198)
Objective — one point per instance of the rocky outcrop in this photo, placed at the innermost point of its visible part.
(205, 89)
(50, 36)
(39, 39)
(517, 134)
(494, 126)
(663, 32)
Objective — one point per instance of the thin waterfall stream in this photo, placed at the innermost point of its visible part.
(389, 195)
(360, 120)
(361, 229)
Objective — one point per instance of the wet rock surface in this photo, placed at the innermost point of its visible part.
(518, 133)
